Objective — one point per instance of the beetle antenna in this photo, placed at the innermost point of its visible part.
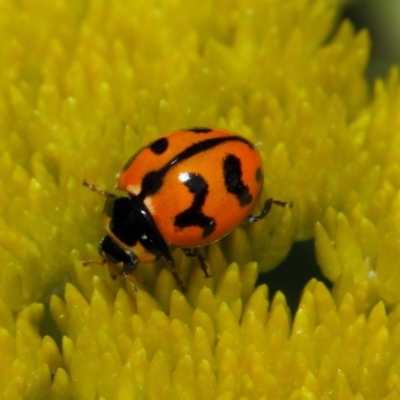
(93, 262)
(96, 189)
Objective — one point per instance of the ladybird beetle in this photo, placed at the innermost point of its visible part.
(187, 189)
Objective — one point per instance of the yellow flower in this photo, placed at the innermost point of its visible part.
(85, 84)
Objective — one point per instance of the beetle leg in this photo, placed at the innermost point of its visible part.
(196, 253)
(267, 206)
(131, 277)
(172, 268)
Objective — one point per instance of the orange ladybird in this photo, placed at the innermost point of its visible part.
(188, 189)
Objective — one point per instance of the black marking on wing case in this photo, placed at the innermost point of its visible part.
(194, 216)
(151, 183)
(153, 180)
(232, 168)
(159, 146)
(199, 129)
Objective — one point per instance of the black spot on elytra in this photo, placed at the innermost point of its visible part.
(153, 180)
(198, 129)
(194, 216)
(232, 168)
(259, 175)
(159, 146)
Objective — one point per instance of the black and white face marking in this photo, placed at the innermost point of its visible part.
(131, 224)
(194, 216)
(232, 168)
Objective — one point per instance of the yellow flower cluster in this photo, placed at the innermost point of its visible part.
(83, 85)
